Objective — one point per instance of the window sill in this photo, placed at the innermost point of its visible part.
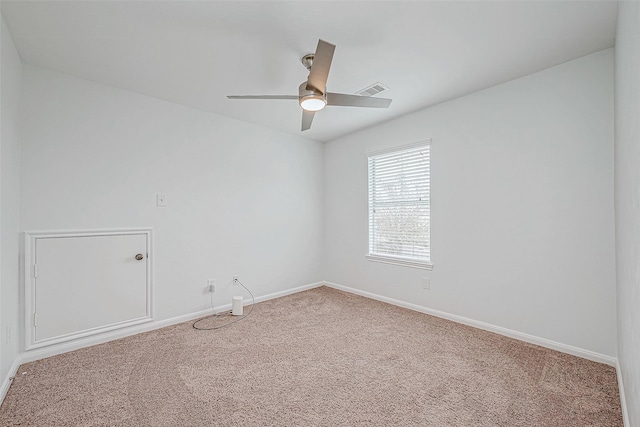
(400, 261)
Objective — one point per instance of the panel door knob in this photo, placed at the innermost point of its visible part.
(139, 257)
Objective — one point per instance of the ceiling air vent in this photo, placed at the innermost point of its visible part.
(374, 89)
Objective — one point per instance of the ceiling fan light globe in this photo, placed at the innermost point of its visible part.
(313, 102)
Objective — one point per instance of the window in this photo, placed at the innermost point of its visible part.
(399, 219)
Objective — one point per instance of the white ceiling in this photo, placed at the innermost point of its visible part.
(196, 52)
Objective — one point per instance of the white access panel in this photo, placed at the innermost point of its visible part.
(86, 283)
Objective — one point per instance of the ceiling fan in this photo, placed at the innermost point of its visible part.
(313, 95)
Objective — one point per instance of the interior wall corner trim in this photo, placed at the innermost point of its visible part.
(6, 382)
(623, 400)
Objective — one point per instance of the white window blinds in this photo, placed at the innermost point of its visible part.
(399, 211)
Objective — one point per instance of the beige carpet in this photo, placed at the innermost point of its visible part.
(316, 358)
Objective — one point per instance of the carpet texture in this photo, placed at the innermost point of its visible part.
(315, 358)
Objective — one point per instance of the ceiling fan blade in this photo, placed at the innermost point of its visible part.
(345, 100)
(320, 67)
(262, 96)
(307, 118)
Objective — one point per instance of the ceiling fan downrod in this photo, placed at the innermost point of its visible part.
(307, 60)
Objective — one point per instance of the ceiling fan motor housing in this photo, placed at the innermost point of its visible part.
(311, 99)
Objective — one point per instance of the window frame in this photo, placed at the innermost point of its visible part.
(389, 258)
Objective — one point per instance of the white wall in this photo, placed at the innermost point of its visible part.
(522, 206)
(242, 199)
(9, 203)
(522, 211)
(627, 202)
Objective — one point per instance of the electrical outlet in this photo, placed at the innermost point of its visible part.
(8, 335)
(211, 283)
(426, 283)
(161, 200)
(236, 279)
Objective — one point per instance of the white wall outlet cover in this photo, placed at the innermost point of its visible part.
(161, 199)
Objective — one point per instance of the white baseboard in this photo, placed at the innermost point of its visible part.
(9, 378)
(623, 399)
(53, 350)
(543, 342)
(43, 352)
(286, 292)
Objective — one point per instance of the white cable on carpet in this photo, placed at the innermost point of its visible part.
(253, 301)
